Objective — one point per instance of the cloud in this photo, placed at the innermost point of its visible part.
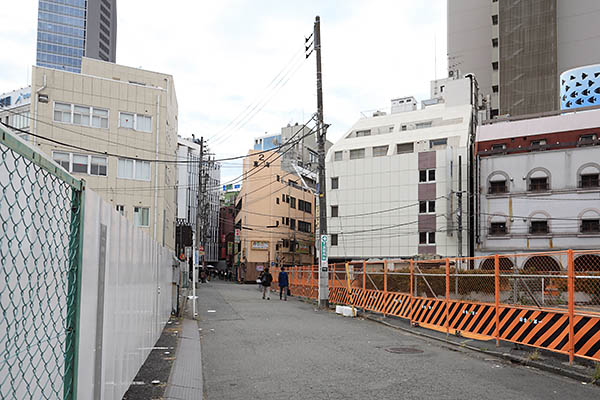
(223, 54)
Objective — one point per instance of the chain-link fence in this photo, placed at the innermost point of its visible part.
(40, 220)
(586, 265)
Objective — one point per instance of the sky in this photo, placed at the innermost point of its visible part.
(239, 66)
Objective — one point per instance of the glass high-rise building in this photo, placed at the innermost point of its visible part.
(71, 29)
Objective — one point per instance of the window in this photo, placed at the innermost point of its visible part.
(334, 183)
(126, 120)
(538, 144)
(334, 211)
(589, 181)
(426, 237)
(495, 42)
(121, 209)
(278, 177)
(334, 239)
(304, 226)
(283, 198)
(141, 216)
(495, 65)
(292, 202)
(313, 157)
(287, 220)
(426, 206)
(99, 118)
(495, 19)
(590, 226)
(143, 123)
(357, 153)
(423, 176)
(81, 115)
(422, 125)
(438, 143)
(98, 166)
(287, 199)
(366, 132)
(498, 147)
(380, 151)
(431, 175)
(80, 163)
(292, 224)
(538, 227)
(62, 112)
(277, 200)
(338, 156)
(498, 228)
(494, 88)
(538, 184)
(133, 169)
(587, 140)
(431, 206)
(431, 237)
(64, 159)
(497, 187)
(403, 127)
(405, 148)
(307, 207)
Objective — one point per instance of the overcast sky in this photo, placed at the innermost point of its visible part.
(232, 60)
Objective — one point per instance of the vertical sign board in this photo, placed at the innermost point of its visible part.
(323, 271)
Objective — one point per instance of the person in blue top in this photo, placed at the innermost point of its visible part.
(283, 284)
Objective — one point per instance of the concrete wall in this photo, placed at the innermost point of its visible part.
(126, 300)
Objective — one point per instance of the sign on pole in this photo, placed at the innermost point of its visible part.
(237, 235)
(323, 272)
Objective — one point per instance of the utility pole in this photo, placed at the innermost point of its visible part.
(200, 234)
(321, 137)
(459, 206)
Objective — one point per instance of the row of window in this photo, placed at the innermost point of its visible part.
(540, 227)
(380, 151)
(81, 163)
(60, 39)
(97, 165)
(58, 60)
(141, 215)
(65, 10)
(424, 238)
(586, 180)
(305, 206)
(60, 49)
(61, 19)
(60, 29)
(96, 117)
(291, 222)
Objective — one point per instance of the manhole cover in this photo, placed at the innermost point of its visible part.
(403, 350)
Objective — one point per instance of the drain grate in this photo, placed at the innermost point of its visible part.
(403, 350)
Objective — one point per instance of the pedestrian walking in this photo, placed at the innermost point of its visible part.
(266, 280)
(283, 284)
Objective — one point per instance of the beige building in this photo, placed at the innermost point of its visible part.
(275, 215)
(126, 113)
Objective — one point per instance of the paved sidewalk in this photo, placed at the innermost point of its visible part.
(186, 377)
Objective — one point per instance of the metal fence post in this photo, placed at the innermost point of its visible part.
(364, 275)
(385, 276)
(571, 286)
(447, 295)
(497, 298)
(411, 293)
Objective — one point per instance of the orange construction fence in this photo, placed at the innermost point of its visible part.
(549, 300)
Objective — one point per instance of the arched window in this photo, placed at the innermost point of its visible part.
(497, 225)
(538, 180)
(498, 183)
(587, 263)
(541, 263)
(588, 176)
(590, 222)
(504, 264)
(538, 224)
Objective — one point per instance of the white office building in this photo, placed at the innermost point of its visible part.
(392, 180)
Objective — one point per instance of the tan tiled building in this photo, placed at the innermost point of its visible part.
(127, 113)
(275, 215)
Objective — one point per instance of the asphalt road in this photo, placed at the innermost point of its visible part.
(259, 349)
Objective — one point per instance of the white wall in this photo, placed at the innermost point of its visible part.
(125, 301)
(564, 203)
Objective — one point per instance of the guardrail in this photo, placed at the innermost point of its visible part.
(549, 300)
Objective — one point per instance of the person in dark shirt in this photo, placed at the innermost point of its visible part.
(265, 281)
(283, 284)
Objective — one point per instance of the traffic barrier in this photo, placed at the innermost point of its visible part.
(548, 300)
